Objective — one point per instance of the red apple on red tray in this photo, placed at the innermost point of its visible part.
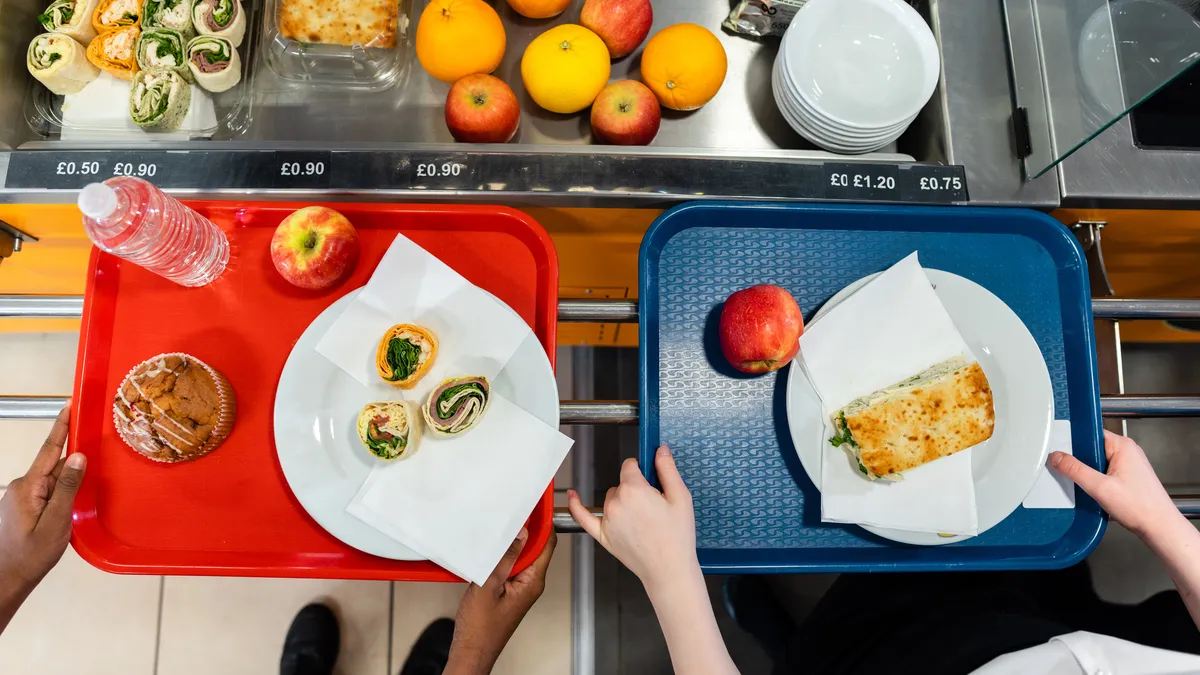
(622, 24)
(626, 113)
(760, 328)
(315, 247)
(482, 109)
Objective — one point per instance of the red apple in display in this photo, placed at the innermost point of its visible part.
(482, 109)
(626, 113)
(314, 247)
(760, 328)
(622, 24)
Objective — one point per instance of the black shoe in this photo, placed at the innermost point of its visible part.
(312, 643)
(431, 651)
(753, 605)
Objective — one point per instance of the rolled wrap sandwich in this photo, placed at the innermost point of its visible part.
(222, 18)
(405, 354)
(456, 405)
(933, 414)
(113, 14)
(60, 63)
(214, 63)
(162, 48)
(114, 52)
(390, 429)
(159, 99)
(173, 14)
(72, 18)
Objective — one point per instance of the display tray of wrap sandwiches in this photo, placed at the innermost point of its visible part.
(234, 513)
(142, 69)
(757, 510)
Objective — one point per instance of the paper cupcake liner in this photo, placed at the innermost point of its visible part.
(226, 413)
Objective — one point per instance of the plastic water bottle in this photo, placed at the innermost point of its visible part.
(132, 219)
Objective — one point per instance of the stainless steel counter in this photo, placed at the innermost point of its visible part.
(1111, 171)
(736, 146)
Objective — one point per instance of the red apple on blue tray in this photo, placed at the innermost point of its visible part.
(315, 247)
(760, 328)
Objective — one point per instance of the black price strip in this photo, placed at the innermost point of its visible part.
(909, 183)
(57, 170)
(407, 171)
(302, 170)
(862, 182)
(931, 183)
(71, 170)
(499, 171)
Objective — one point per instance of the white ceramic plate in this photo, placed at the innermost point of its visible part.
(317, 406)
(1006, 466)
(868, 63)
(841, 142)
(823, 123)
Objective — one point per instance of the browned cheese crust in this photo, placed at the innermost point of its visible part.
(926, 423)
(371, 23)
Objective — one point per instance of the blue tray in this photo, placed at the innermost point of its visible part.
(756, 510)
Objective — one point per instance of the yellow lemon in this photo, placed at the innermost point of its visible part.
(456, 38)
(684, 65)
(565, 68)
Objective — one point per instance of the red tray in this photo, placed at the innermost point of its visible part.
(231, 512)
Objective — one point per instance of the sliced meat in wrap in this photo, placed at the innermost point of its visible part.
(214, 63)
(223, 18)
(456, 405)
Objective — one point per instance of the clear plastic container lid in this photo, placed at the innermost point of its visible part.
(360, 45)
(101, 110)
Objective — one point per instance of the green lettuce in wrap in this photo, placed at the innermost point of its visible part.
(214, 63)
(159, 99)
(72, 18)
(456, 405)
(162, 48)
(173, 14)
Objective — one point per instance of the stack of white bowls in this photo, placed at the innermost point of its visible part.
(851, 75)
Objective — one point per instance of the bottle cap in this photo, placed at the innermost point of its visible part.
(97, 201)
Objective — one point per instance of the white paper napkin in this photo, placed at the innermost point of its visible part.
(477, 334)
(100, 111)
(1052, 489)
(461, 501)
(891, 329)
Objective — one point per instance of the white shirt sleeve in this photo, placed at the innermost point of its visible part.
(1085, 653)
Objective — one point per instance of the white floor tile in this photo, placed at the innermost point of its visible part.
(81, 621)
(22, 439)
(234, 626)
(37, 364)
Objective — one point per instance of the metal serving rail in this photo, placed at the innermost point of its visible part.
(626, 412)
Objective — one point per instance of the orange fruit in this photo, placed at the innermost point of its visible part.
(684, 65)
(539, 9)
(565, 68)
(456, 38)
